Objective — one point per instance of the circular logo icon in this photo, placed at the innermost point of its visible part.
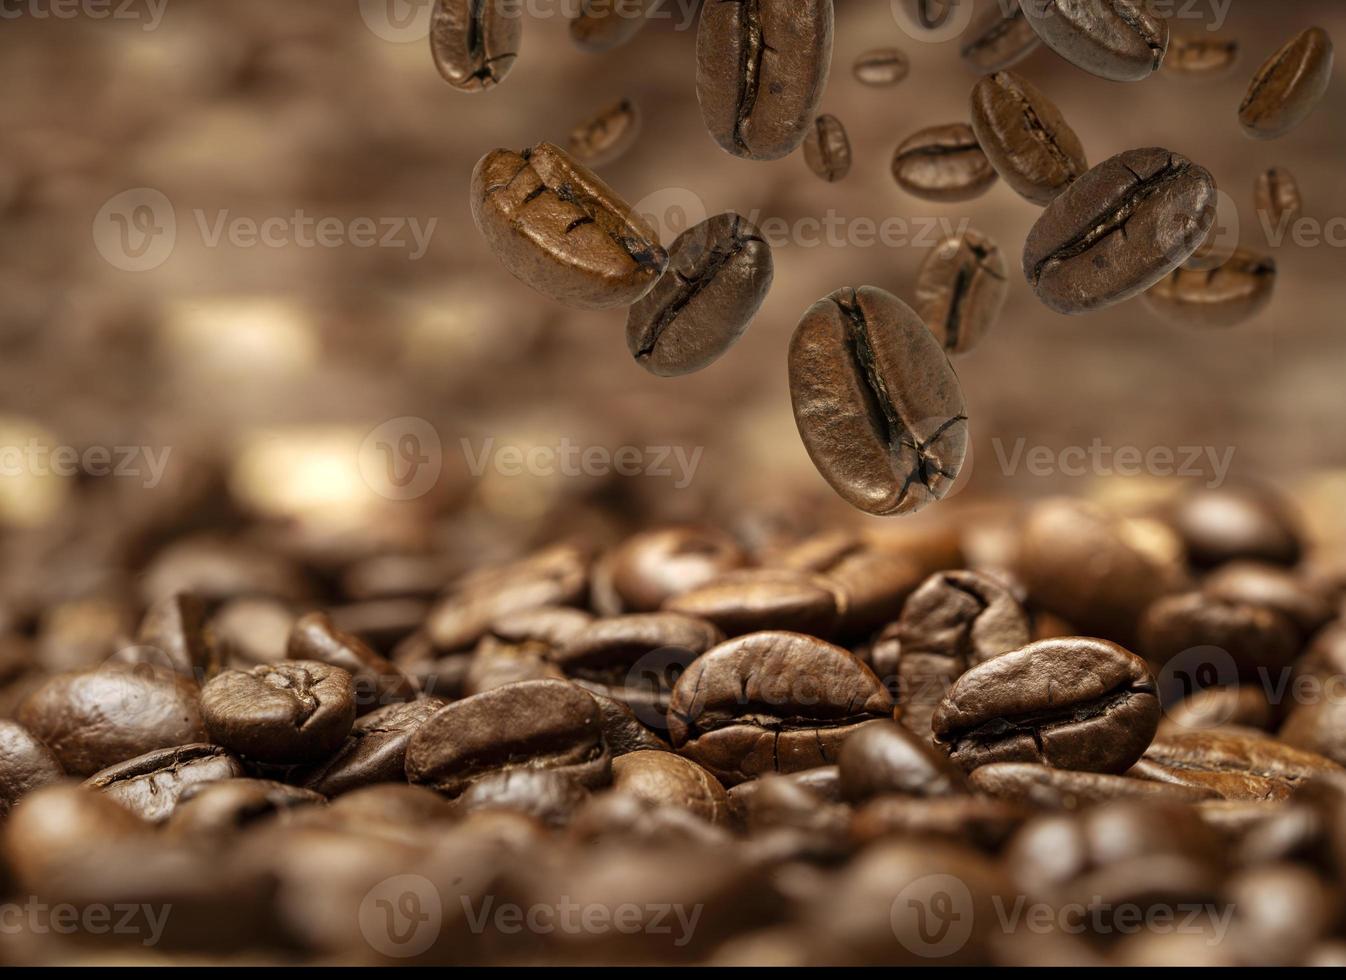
(401, 916)
(1195, 670)
(402, 458)
(933, 916)
(649, 680)
(670, 212)
(398, 21)
(136, 230)
(932, 20)
(1222, 240)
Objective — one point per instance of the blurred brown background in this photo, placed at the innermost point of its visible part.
(265, 369)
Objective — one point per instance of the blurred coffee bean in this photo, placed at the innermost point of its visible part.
(1201, 57)
(1262, 584)
(377, 681)
(25, 765)
(1212, 707)
(999, 38)
(545, 794)
(1062, 789)
(375, 751)
(984, 823)
(601, 25)
(175, 634)
(60, 826)
(1238, 522)
(665, 779)
(1277, 197)
(943, 164)
(827, 149)
(1288, 86)
(607, 135)
(1252, 637)
(652, 566)
(885, 758)
(765, 598)
(874, 581)
(1235, 292)
(253, 631)
(554, 626)
(210, 811)
(961, 289)
(881, 67)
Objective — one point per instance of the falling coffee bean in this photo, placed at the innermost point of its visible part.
(944, 164)
(601, 25)
(881, 67)
(1120, 40)
(718, 276)
(876, 401)
(1201, 57)
(1025, 137)
(1278, 199)
(475, 42)
(607, 135)
(827, 149)
(960, 290)
(1288, 87)
(1000, 38)
(1234, 293)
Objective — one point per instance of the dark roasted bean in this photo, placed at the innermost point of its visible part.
(1025, 137)
(475, 42)
(827, 149)
(1121, 40)
(943, 163)
(961, 289)
(1288, 87)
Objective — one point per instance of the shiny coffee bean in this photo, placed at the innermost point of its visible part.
(1074, 703)
(1201, 57)
(1223, 297)
(25, 765)
(293, 712)
(761, 71)
(961, 289)
(875, 582)
(1062, 789)
(999, 38)
(765, 598)
(1118, 230)
(881, 67)
(1277, 198)
(174, 634)
(876, 401)
(534, 725)
(601, 25)
(93, 719)
(607, 135)
(885, 758)
(624, 731)
(1237, 522)
(1269, 585)
(827, 149)
(1255, 638)
(495, 664)
(929, 15)
(1025, 137)
(771, 702)
(552, 626)
(475, 42)
(208, 811)
(377, 681)
(943, 164)
(665, 779)
(652, 566)
(1288, 86)
(1235, 765)
(548, 796)
(559, 229)
(1211, 707)
(1120, 40)
(375, 751)
(719, 273)
(150, 785)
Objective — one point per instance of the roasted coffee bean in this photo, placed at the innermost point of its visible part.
(601, 25)
(929, 15)
(150, 785)
(1281, 911)
(293, 712)
(378, 682)
(1211, 707)
(1025, 137)
(961, 289)
(475, 42)
(874, 582)
(531, 725)
(556, 576)
(607, 135)
(60, 826)
(885, 758)
(93, 719)
(553, 626)
(780, 803)
(1315, 720)
(1269, 585)
(953, 622)
(546, 795)
(1237, 522)
(1277, 198)
(1235, 765)
(1288, 87)
(381, 623)
(761, 70)
(1121, 40)
(1074, 703)
(984, 823)
(944, 164)
(1201, 57)
(209, 810)
(827, 149)
(375, 752)
(771, 702)
(718, 275)
(653, 566)
(393, 804)
(559, 229)
(1062, 789)
(174, 634)
(25, 765)
(665, 779)
(253, 631)
(821, 783)
(495, 664)
(763, 598)
(1118, 230)
(621, 817)
(876, 401)
(1254, 638)
(1223, 297)
(624, 732)
(881, 67)
(999, 38)
(637, 658)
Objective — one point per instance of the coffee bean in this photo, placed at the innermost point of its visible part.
(552, 626)
(546, 795)
(876, 401)
(1277, 198)
(298, 711)
(1282, 911)
(782, 808)
(822, 784)
(621, 817)
(93, 719)
(1121, 40)
(375, 752)
(765, 598)
(1269, 585)
(761, 71)
(533, 724)
(25, 765)
(1072, 704)
(1253, 637)
(651, 567)
(1211, 707)
(58, 827)
(771, 702)
(1219, 298)
(1118, 230)
(607, 135)
(881, 67)
(961, 289)
(393, 804)
(1237, 522)
(953, 622)
(252, 631)
(475, 42)
(984, 823)
(718, 275)
(150, 785)
(1201, 57)
(999, 38)
(1062, 789)
(883, 758)
(495, 664)
(665, 779)
(601, 25)
(874, 582)
(378, 682)
(624, 732)
(944, 164)
(1236, 766)
(381, 623)
(1025, 137)
(208, 811)
(558, 228)
(174, 634)
(827, 149)
(1288, 87)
